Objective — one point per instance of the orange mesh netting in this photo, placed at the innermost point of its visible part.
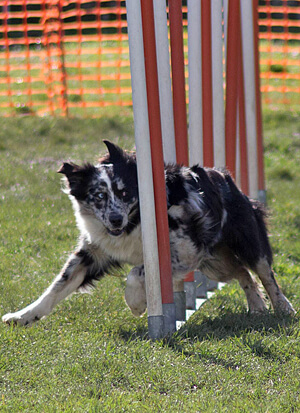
(280, 52)
(71, 57)
(63, 57)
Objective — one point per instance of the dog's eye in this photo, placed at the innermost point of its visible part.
(101, 195)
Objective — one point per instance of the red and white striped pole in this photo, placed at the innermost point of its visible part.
(160, 195)
(182, 299)
(161, 122)
(247, 31)
(195, 83)
(218, 114)
(164, 80)
(243, 106)
(206, 121)
(207, 96)
(259, 131)
(157, 259)
(178, 81)
(232, 57)
(144, 163)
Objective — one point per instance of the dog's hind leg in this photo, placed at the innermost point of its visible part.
(279, 302)
(224, 266)
(135, 292)
(69, 280)
(256, 303)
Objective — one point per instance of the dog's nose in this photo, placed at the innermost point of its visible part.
(116, 219)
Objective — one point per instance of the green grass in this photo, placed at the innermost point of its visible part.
(90, 354)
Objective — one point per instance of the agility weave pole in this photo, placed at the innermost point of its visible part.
(160, 322)
(230, 138)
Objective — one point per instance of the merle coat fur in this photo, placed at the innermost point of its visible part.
(213, 227)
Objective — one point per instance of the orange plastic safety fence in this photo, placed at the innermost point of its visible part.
(62, 57)
(280, 52)
(71, 57)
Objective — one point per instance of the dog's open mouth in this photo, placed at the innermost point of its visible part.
(116, 232)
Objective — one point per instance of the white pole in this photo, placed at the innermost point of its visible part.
(250, 100)
(142, 139)
(164, 80)
(195, 82)
(217, 83)
(225, 18)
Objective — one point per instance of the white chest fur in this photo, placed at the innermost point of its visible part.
(124, 248)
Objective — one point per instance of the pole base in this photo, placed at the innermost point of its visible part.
(190, 292)
(262, 196)
(180, 305)
(201, 285)
(156, 327)
(169, 319)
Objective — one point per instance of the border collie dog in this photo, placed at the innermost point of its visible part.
(213, 227)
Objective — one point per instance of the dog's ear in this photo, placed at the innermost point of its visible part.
(68, 169)
(78, 178)
(116, 154)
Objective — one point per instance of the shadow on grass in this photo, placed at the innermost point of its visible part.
(238, 326)
(200, 328)
(234, 325)
(134, 333)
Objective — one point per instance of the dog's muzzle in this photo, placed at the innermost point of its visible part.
(116, 221)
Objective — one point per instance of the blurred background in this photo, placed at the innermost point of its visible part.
(71, 57)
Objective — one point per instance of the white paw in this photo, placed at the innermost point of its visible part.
(135, 292)
(20, 318)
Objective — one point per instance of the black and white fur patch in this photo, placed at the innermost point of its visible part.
(213, 227)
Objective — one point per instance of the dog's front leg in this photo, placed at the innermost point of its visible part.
(68, 281)
(135, 292)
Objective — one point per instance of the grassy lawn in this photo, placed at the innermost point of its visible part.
(90, 354)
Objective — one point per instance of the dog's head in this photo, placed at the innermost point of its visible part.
(108, 190)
